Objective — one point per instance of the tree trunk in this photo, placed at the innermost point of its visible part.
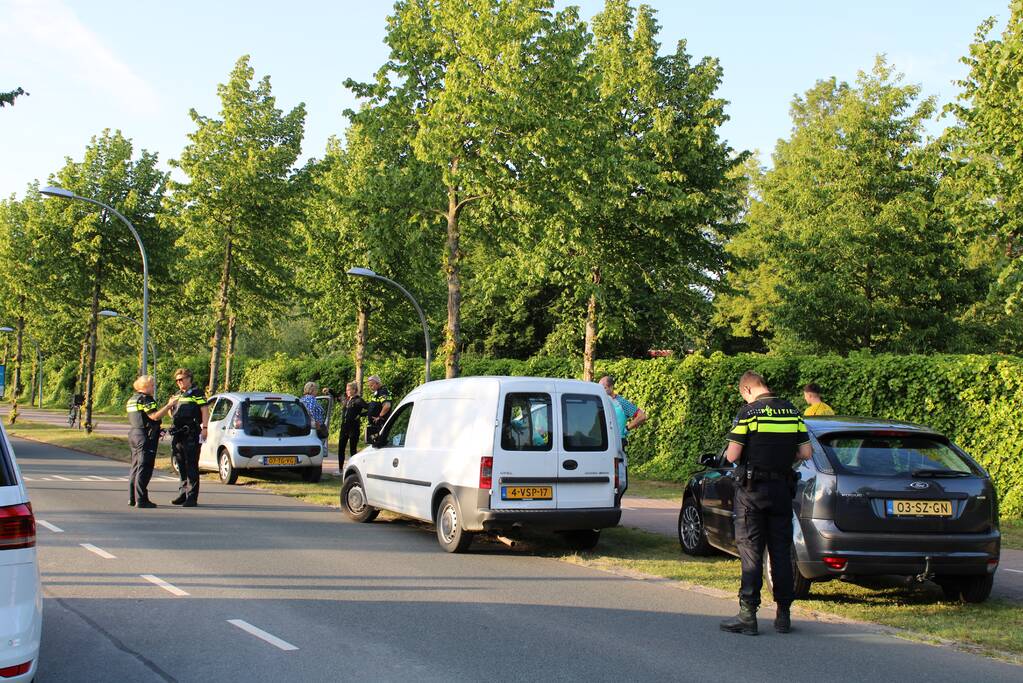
(590, 343)
(35, 378)
(80, 377)
(229, 361)
(452, 267)
(90, 368)
(18, 345)
(218, 327)
(361, 335)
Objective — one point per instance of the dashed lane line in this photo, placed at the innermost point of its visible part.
(99, 551)
(156, 580)
(52, 527)
(1014, 571)
(262, 635)
(60, 478)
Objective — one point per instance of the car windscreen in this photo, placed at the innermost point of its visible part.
(881, 454)
(275, 418)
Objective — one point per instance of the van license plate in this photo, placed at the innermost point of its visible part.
(919, 508)
(280, 460)
(527, 492)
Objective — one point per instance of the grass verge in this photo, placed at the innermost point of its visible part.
(919, 610)
(993, 628)
(1012, 534)
(652, 488)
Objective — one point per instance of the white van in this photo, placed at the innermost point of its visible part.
(494, 454)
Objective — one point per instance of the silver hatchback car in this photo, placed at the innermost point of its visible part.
(260, 431)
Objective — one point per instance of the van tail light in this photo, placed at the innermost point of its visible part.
(486, 472)
(617, 483)
(837, 563)
(16, 670)
(17, 527)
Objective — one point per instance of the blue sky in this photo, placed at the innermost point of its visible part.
(139, 65)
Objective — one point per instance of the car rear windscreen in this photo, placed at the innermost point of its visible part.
(886, 455)
(6, 468)
(276, 418)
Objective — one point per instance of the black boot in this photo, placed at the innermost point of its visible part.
(782, 619)
(745, 622)
(179, 500)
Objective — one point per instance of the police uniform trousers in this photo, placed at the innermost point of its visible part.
(185, 451)
(763, 518)
(348, 438)
(143, 458)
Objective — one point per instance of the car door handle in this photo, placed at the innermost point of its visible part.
(394, 463)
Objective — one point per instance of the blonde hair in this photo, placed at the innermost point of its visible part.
(353, 385)
(142, 382)
(311, 388)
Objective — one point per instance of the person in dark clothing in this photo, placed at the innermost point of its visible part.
(767, 438)
(377, 407)
(143, 436)
(353, 409)
(191, 415)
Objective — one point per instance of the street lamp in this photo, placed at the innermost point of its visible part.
(152, 347)
(68, 194)
(366, 272)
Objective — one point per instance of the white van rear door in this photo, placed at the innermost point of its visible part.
(525, 470)
(585, 452)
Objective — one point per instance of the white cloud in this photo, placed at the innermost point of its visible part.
(48, 35)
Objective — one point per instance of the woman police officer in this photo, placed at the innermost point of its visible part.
(144, 436)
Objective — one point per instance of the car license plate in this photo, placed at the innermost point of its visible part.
(919, 508)
(527, 492)
(280, 460)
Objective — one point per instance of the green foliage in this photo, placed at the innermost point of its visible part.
(982, 188)
(845, 247)
(9, 97)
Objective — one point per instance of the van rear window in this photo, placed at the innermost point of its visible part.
(585, 425)
(526, 425)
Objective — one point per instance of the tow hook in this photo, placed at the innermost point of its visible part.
(926, 574)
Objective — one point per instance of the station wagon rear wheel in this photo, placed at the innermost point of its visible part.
(800, 584)
(228, 474)
(691, 535)
(450, 534)
(353, 501)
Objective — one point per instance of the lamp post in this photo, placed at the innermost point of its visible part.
(152, 347)
(366, 272)
(68, 194)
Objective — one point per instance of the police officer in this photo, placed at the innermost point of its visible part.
(143, 436)
(191, 415)
(767, 437)
(377, 407)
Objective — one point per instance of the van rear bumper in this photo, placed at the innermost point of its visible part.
(558, 520)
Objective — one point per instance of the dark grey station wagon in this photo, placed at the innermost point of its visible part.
(878, 497)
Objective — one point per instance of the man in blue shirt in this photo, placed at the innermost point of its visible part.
(629, 415)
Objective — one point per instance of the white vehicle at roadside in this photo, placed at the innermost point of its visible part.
(495, 455)
(21, 602)
(260, 431)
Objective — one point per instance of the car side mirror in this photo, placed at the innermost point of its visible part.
(709, 459)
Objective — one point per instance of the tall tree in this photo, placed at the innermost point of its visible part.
(646, 195)
(237, 208)
(91, 259)
(473, 82)
(845, 247)
(983, 182)
(9, 97)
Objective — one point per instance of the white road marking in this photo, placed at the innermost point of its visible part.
(262, 635)
(52, 527)
(57, 476)
(28, 478)
(99, 551)
(44, 479)
(173, 590)
(1016, 571)
(96, 477)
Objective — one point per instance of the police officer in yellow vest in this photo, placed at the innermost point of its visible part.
(191, 415)
(143, 436)
(767, 438)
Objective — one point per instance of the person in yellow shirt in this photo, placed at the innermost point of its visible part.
(814, 405)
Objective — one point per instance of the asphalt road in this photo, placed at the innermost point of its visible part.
(260, 587)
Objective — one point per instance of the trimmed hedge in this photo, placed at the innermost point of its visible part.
(691, 401)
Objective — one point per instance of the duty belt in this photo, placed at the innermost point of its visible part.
(766, 475)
